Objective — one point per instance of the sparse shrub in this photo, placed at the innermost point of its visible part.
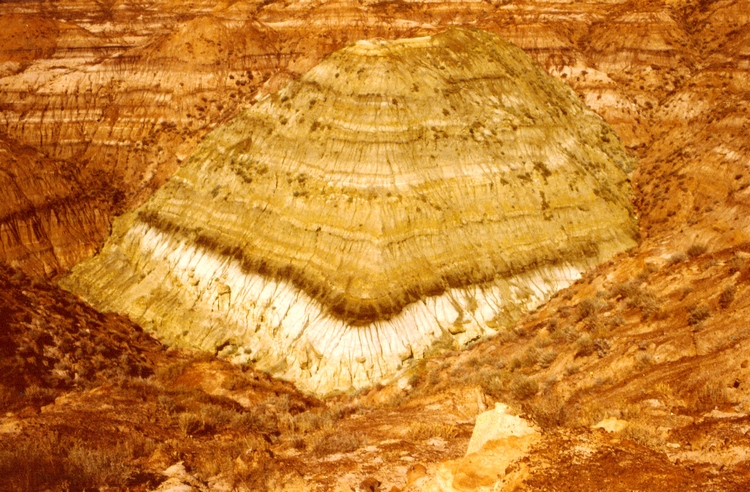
(339, 442)
(686, 291)
(171, 372)
(736, 264)
(543, 341)
(473, 362)
(307, 422)
(696, 250)
(236, 463)
(7, 397)
(421, 431)
(589, 307)
(515, 363)
(494, 383)
(614, 321)
(50, 462)
(547, 412)
(40, 395)
(215, 418)
(664, 390)
(647, 270)
(168, 404)
(530, 357)
(676, 259)
(602, 346)
(709, 395)
(643, 434)
(94, 467)
(507, 336)
(625, 289)
(522, 387)
(281, 403)
(433, 377)
(572, 369)
(547, 358)
(643, 360)
(642, 299)
(698, 314)
(190, 424)
(235, 382)
(727, 296)
(584, 346)
(257, 421)
(569, 334)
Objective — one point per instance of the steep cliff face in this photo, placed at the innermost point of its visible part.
(50, 216)
(399, 194)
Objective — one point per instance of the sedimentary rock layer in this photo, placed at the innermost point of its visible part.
(399, 193)
(122, 92)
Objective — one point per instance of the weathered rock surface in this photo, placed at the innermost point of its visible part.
(398, 194)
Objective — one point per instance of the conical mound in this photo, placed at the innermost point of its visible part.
(401, 194)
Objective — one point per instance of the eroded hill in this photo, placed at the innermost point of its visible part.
(111, 96)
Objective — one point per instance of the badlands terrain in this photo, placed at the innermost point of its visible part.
(633, 377)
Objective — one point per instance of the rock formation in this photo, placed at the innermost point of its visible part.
(399, 195)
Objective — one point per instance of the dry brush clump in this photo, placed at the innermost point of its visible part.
(727, 296)
(707, 396)
(333, 441)
(644, 434)
(698, 313)
(523, 387)
(54, 461)
(696, 250)
(420, 431)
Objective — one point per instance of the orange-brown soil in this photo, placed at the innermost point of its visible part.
(100, 102)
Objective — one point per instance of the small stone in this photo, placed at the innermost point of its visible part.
(370, 484)
(415, 472)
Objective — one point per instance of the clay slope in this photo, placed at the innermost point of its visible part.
(399, 193)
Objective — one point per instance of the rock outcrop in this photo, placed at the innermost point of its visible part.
(399, 195)
(493, 459)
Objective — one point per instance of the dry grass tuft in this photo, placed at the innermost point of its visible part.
(421, 431)
(643, 434)
(709, 395)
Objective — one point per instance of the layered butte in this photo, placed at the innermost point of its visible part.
(401, 196)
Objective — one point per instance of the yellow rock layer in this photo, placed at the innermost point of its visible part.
(400, 194)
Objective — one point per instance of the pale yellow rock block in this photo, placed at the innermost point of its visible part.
(497, 424)
(498, 442)
(494, 467)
